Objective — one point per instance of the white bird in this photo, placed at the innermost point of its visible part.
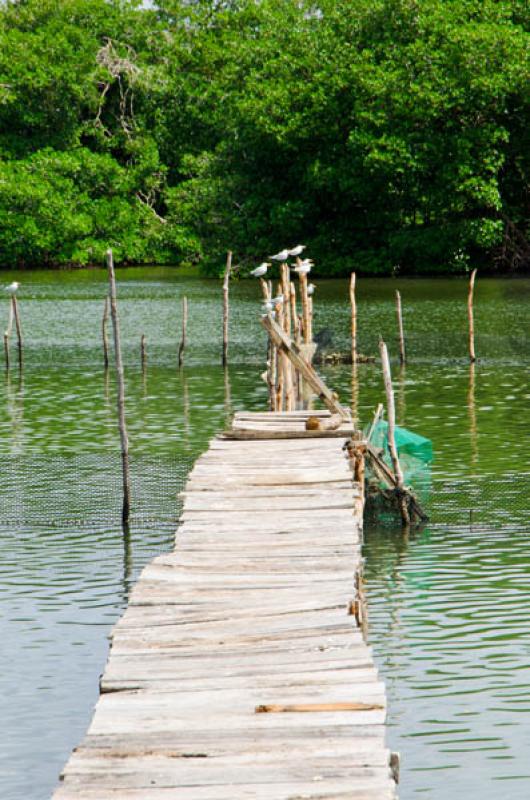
(283, 255)
(297, 250)
(276, 300)
(12, 288)
(260, 271)
(304, 267)
(311, 288)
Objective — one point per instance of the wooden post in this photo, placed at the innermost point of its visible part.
(353, 319)
(294, 315)
(226, 280)
(18, 329)
(266, 289)
(121, 392)
(7, 335)
(182, 346)
(400, 329)
(472, 356)
(286, 308)
(104, 335)
(304, 297)
(280, 361)
(391, 418)
(143, 351)
(292, 352)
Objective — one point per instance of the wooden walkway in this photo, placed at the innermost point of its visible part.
(238, 670)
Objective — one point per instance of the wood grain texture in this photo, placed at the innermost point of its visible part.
(250, 613)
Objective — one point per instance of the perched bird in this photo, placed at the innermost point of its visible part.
(297, 250)
(304, 267)
(12, 288)
(260, 271)
(311, 288)
(283, 255)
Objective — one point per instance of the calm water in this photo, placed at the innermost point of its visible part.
(448, 606)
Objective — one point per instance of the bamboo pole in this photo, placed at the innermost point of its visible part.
(183, 341)
(391, 418)
(400, 329)
(121, 392)
(104, 334)
(7, 335)
(471, 321)
(226, 280)
(353, 304)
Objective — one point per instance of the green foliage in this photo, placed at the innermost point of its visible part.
(388, 135)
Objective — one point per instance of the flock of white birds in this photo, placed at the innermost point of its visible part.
(303, 267)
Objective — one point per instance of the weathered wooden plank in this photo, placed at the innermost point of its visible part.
(250, 610)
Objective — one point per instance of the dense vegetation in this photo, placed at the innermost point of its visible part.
(386, 134)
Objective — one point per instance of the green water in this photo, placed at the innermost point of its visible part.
(448, 605)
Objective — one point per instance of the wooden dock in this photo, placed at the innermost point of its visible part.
(239, 669)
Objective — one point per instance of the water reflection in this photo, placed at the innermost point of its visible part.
(472, 411)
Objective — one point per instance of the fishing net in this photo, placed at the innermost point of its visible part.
(414, 451)
(415, 455)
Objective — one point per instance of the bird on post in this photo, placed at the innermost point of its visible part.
(311, 288)
(12, 288)
(260, 271)
(283, 255)
(303, 267)
(297, 250)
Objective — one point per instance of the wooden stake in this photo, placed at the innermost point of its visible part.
(400, 328)
(286, 308)
(104, 333)
(7, 335)
(184, 330)
(308, 338)
(226, 280)
(391, 418)
(121, 392)
(280, 360)
(472, 356)
(292, 352)
(18, 329)
(266, 288)
(143, 351)
(353, 319)
(294, 315)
